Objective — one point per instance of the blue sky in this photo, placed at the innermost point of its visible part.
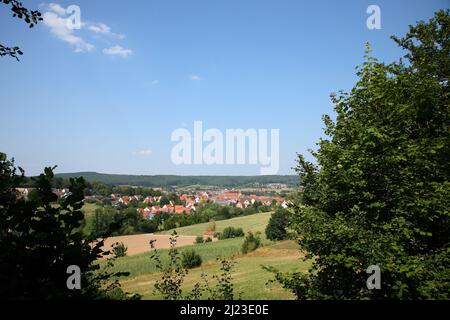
(107, 97)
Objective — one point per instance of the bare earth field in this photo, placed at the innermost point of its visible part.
(141, 243)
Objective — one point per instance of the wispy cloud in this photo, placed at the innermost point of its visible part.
(194, 77)
(57, 22)
(57, 9)
(103, 29)
(146, 152)
(117, 51)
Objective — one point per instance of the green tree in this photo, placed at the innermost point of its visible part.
(190, 259)
(164, 200)
(39, 240)
(251, 242)
(170, 223)
(276, 228)
(119, 249)
(380, 191)
(224, 213)
(231, 232)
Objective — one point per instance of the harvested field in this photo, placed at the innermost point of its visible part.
(141, 243)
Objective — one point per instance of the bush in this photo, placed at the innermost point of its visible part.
(119, 249)
(147, 226)
(251, 243)
(191, 259)
(208, 240)
(238, 232)
(211, 226)
(169, 224)
(173, 275)
(276, 228)
(199, 240)
(230, 232)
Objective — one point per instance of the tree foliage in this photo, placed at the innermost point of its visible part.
(276, 228)
(191, 259)
(231, 232)
(380, 191)
(251, 242)
(31, 18)
(40, 239)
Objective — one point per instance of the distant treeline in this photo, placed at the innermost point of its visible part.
(170, 180)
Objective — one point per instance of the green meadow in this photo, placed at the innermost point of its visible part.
(253, 223)
(250, 280)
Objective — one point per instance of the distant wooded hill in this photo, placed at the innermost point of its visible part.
(170, 180)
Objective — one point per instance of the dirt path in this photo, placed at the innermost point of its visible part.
(140, 243)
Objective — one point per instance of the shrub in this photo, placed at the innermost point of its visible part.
(169, 224)
(174, 272)
(199, 240)
(147, 226)
(211, 226)
(191, 259)
(251, 243)
(230, 232)
(238, 232)
(119, 249)
(276, 228)
(208, 240)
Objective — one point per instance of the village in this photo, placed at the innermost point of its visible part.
(187, 203)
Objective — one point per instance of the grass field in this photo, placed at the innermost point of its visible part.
(89, 209)
(249, 278)
(254, 223)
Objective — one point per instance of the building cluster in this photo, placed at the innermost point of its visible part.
(240, 200)
(189, 202)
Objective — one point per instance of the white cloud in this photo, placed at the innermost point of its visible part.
(58, 21)
(194, 77)
(146, 152)
(103, 29)
(57, 9)
(117, 51)
(59, 27)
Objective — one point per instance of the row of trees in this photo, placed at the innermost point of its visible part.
(110, 222)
